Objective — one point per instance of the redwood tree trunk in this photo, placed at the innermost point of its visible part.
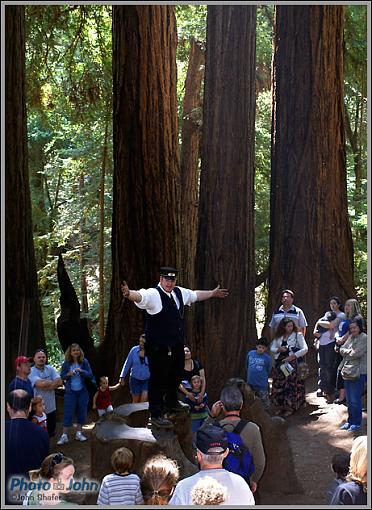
(24, 325)
(226, 211)
(311, 250)
(191, 135)
(145, 228)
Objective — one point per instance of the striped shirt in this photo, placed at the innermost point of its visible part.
(120, 490)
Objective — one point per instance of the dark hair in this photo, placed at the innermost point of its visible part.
(338, 301)
(358, 320)
(290, 292)
(19, 400)
(263, 341)
(281, 326)
(340, 464)
(331, 316)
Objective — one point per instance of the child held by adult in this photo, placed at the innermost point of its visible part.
(198, 410)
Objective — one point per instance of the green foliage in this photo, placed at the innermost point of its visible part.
(69, 84)
(355, 34)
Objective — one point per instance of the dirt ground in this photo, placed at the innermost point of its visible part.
(314, 437)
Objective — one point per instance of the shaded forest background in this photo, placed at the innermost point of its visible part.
(240, 145)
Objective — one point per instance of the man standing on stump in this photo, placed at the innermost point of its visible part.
(164, 327)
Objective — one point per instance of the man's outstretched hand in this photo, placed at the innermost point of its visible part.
(124, 289)
(220, 293)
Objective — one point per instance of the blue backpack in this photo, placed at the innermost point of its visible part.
(239, 460)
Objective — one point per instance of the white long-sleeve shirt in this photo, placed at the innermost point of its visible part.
(295, 340)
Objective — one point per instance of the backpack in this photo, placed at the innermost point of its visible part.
(239, 460)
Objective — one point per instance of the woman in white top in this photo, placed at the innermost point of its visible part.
(288, 391)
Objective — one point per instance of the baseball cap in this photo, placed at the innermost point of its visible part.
(211, 437)
(22, 359)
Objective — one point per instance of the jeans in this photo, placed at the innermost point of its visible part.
(354, 392)
(76, 402)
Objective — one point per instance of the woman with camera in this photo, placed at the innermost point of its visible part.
(288, 389)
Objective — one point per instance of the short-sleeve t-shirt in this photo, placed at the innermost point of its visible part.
(48, 373)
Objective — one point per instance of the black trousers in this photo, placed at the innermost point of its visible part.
(327, 368)
(51, 423)
(165, 376)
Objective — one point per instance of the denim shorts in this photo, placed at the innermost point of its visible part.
(137, 386)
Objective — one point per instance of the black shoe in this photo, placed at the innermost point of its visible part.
(161, 422)
(178, 407)
(340, 401)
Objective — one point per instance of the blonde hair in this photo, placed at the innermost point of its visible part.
(355, 308)
(122, 460)
(51, 466)
(195, 378)
(359, 461)
(208, 491)
(104, 378)
(158, 471)
(68, 356)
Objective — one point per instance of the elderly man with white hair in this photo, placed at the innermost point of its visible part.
(211, 444)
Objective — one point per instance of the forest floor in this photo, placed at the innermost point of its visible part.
(314, 436)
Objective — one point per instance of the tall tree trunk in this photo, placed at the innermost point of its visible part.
(102, 236)
(82, 261)
(146, 226)
(24, 325)
(311, 250)
(190, 155)
(191, 135)
(226, 211)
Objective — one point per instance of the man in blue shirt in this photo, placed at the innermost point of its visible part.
(21, 380)
(259, 365)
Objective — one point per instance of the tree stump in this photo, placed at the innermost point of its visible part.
(279, 474)
(127, 427)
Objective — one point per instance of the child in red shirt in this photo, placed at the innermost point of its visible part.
(102, 398)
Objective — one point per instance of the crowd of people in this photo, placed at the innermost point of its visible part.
(162, 371)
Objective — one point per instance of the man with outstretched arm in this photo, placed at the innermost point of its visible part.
(164, 328)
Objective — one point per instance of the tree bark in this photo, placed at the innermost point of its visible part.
(24, 325)
(102, 237)
(311, 250)
(226, 212)
(146, 226)
(191, 136)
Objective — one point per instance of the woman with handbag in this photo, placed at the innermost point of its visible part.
(74, 372)
(354, 372)
(288, 388)
(352, 311)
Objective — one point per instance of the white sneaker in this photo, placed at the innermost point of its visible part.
(63, 439)
(79, 436)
